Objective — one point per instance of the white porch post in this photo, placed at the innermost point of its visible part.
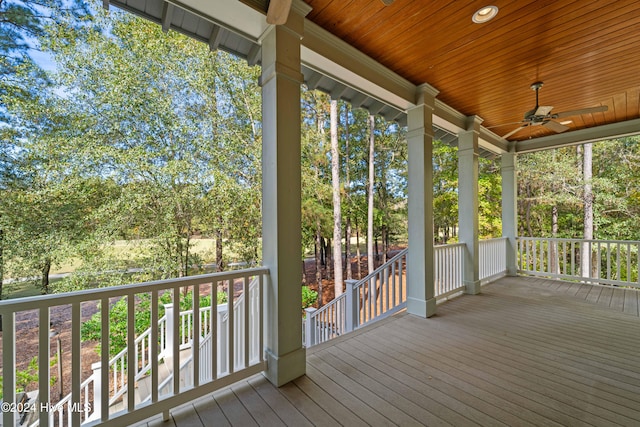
(510, 209)
(281, 197)
(468, 201)
(420, 265)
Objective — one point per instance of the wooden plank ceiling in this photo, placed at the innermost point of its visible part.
(585, 52)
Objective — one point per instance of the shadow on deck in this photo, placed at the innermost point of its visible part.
(526, 351)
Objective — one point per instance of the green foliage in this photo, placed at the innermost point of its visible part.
(91, 329)
(24, 378)
(309, 297)
(137, 135)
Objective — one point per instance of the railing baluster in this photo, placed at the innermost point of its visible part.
(76, 367)
(131, 356)
(104, 359)
(44, 348)
(628, 262)
(195, 346)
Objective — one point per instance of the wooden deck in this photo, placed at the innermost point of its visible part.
(525, 352)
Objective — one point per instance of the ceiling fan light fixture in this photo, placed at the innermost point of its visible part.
(485, 14)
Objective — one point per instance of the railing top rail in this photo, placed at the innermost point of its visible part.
(30, 303)
(492, 239)
(450, 245)
(564, 239)
(386, 264)
(326, 307)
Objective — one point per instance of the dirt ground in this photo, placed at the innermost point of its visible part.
(27, 330)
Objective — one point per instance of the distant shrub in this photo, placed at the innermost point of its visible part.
(309, 297)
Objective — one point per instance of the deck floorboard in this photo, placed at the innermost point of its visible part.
(526, 352)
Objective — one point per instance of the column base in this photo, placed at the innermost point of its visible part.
(472, 288)
(421, 308)
(512, 271)
(286, 368)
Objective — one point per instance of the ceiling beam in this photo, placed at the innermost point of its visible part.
(581, 136)
(215, 38)
(167, 15)
(254, 55)
(313, 81)
(338, 90)
(358, 99)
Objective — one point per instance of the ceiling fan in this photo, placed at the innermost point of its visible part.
(542, 116)
(278, 10)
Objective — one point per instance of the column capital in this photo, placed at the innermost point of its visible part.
(473, 123)
(295, 19)
(426, 94)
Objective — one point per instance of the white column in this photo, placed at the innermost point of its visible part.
(420, 266)
(281, 198)
(510, 208)
(468, 201)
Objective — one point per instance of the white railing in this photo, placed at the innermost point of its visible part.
(448, 269)
(380, 294)
(384, 291)
(202, 374)
(613, 262)
(492, 259)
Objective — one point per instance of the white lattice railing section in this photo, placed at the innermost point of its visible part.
(613, 262)
(492, 258)
(239, 338)
(448, 269)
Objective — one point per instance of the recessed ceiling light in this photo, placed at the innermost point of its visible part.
(485, 14)
(566, 122)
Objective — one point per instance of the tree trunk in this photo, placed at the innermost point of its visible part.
(347, 241)
(337, 213)
(385, 243)
(319, 245)
(347, 248)
(328, 255)
(587, 174)
(372, 139)
(44, 281)
(358, 255)
(304, 275)
(555, 265)
(186, 255)
(219, 259)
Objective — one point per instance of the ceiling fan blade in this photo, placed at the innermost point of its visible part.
(600, 109)
(543, 110)
(513, 132)
(555, 126)
(387, 2)
(278, 11)
(506, 124)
